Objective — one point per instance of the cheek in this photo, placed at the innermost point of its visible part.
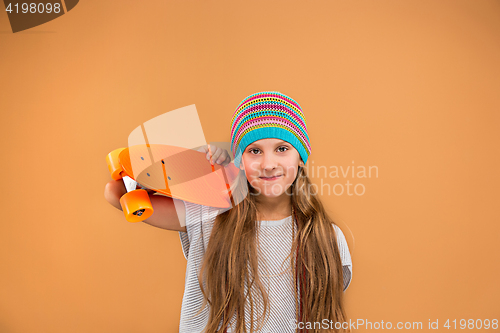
(251, 171)
(251, 174)
(290, 176)
(291, 170)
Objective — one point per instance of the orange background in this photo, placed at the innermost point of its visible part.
(411, 87)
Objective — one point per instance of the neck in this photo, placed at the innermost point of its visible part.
(272, 209)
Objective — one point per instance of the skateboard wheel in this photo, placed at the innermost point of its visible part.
(114, 165)
(136, 205)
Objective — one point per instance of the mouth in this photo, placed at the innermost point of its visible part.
(270, 178)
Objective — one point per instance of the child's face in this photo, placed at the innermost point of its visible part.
(270, 157)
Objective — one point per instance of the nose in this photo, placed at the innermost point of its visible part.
(268, 163)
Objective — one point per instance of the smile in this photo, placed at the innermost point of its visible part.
(270, 178)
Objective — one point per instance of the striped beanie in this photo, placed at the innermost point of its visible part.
(268, 114)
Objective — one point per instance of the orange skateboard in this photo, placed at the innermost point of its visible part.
(176, 172)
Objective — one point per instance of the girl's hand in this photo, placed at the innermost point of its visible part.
(219, 155)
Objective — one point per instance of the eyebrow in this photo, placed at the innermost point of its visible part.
(258, 145)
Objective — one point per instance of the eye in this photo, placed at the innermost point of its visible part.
(286, 148)
(252, 149)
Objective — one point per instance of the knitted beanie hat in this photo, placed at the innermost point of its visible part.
(268, 114)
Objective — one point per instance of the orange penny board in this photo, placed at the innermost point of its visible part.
(179, 173)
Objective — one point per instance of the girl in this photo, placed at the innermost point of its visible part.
(273, 263)
(240, 276)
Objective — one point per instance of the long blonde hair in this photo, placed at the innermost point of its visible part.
(230, 264)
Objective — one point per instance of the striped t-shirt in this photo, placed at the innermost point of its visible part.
(274, 245)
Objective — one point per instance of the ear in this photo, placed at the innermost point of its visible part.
(301, 164)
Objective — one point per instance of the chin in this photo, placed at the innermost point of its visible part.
(271, 195)
(265, 188)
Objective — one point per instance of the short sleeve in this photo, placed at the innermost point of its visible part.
(193, 214)
(199, 223)
(345, 256)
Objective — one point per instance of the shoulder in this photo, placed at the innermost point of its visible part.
(339, 233)
(197, 213)
(199, 223)
(343, 246)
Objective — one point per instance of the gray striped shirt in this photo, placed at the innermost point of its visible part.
(274, 245)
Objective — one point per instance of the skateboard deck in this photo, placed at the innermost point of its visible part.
(179, 173)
